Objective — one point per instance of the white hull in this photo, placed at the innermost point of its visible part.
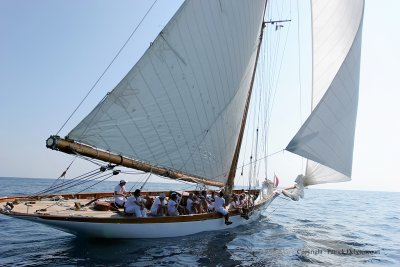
(141, 230)
(136, 230)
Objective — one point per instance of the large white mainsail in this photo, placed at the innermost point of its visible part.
(180, 106)
(327, 136)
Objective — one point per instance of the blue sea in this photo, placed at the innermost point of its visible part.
(326, 228)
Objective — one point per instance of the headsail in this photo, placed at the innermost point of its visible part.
(178, 106)
(327, 136)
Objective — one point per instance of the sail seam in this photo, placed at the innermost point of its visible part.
(328, 55)
(203, 133)
(151, 121)
(138, 128)
(216, 85)
(173, 108)
(207, 63)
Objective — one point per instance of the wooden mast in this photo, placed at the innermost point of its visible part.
(232, 171)
(71, 147)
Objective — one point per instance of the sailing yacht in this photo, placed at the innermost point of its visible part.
(181, 113)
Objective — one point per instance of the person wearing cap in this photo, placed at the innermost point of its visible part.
(134, 205)
(120, 194)
(159, 206)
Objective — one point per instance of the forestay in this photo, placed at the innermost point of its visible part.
(327, 136)
(181, 105)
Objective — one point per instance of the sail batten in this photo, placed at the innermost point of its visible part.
(327, 137)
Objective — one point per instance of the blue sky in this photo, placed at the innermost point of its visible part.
(52, 52)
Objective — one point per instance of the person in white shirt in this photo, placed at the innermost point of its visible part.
(173, 206)
(220, 208)
(134, 205)
(159, 206)
(120, 194)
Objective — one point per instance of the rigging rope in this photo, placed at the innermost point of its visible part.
(299, 58)
(89, 179)
(251, 163)
(299, 65)
(138, 182)
(63, 174)
(268, 77)
(279, 206)
(49, 189)
(145, 182)
(57, 202)
(107, 177)
(109, 65)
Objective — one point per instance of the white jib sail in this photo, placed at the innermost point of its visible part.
(181, 105)
(327, 136)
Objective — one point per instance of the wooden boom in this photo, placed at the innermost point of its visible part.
(72, 147)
